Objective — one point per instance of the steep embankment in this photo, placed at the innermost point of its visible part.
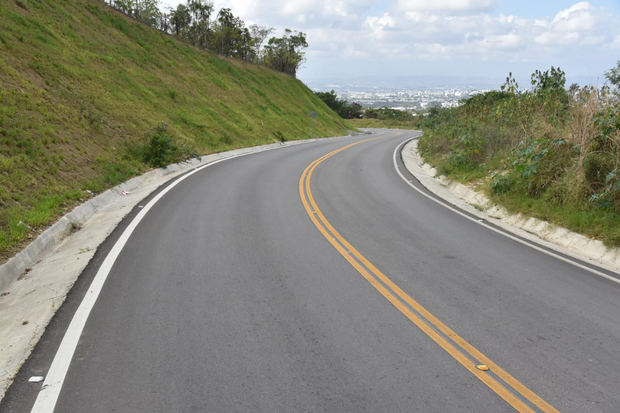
(82, 86)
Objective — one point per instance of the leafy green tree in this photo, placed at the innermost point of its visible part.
(330, 99)
(258, 35)
(180, 19)
(613, 75)
(226, 34)
(163, 23)
(352, 110)
(549, 88)
(286, 53)
(227, 25)
(553, 79)
(199, 30)
(147, 11)
(342, 107)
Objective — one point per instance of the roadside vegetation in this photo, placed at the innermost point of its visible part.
(387, 118)
(550, 152)
(362, 117)
(90, 98)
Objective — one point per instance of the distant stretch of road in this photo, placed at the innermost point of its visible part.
(314, 278)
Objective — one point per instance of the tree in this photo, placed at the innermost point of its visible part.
(244, 45)
(286, 53)
(163, 22)
(342, 107)
(147, 11)
(549, 80)
(226, 35)
(180, 19)
(613, 75)
(200, 11)
(226, 23)
(549, 87)
(510, 85)
(259, 34)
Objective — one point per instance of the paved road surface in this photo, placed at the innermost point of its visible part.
(228, 297)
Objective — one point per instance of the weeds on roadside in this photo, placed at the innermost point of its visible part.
(549, 151)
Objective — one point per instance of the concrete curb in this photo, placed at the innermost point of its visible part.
(52, 236)
(35, 282)
(542, 232)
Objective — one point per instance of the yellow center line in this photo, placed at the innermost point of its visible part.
(373, 275)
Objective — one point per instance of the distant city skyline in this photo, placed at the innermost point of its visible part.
(482, 39)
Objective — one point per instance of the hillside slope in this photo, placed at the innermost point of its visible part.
(82, 86)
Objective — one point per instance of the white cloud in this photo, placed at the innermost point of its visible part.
(578, 24)
(446, 6)
(580, 17)
(379, 25)
(454, 31)
(509, 41)
(485, 36)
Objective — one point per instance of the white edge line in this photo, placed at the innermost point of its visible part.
(512, 237)
(50, 390)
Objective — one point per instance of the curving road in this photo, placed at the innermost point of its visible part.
(293, 281)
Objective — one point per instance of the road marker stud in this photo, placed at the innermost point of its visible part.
(448, 340)
(482, 367)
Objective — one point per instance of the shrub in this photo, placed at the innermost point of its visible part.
(161, 149)
(609, 197)
(279, 136)
(501, 184)
(540, 163)
(466, 153)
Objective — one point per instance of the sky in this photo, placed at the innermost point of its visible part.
(486, 39)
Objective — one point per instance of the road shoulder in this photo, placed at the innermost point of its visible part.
(35, 283)
(541, 232)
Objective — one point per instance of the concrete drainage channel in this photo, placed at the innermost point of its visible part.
(539, 232)
(34, 283)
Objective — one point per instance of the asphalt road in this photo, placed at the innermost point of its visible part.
(232, 295)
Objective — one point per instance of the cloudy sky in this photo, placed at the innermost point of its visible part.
(351, 39)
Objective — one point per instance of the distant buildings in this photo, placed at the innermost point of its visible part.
(408, 99)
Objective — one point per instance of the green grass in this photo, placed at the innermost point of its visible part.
(595, 222)
(581, 217)
(82, 85)
(383, 123)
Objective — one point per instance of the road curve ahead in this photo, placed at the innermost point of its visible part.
(314, 278)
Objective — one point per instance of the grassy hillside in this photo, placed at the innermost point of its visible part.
(83, 86)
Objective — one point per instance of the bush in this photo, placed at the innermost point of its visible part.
(386, 113)
(501, 184)
(344, 108)
(161, 149)
(541, 162)
(279, 136)
(596, 167)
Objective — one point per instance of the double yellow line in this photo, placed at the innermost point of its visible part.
(498, 380)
